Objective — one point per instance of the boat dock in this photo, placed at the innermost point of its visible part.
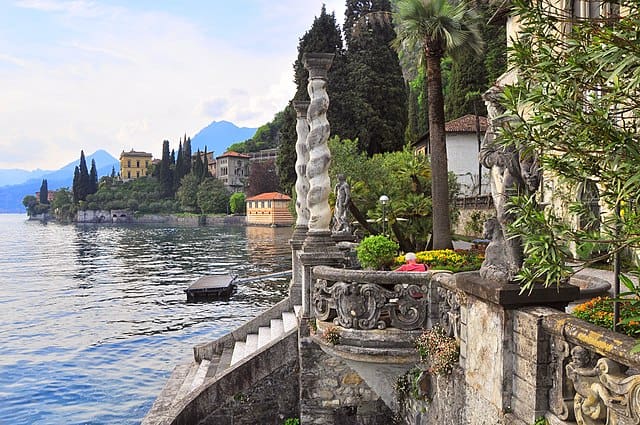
(220, 286)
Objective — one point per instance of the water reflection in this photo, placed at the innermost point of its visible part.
(94, 318)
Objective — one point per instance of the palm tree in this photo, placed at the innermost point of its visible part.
(437, 28)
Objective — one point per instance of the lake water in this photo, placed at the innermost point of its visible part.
(94, 318)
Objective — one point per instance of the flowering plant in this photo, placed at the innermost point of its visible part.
(331, 335)
(599, 311)
(448, 259)
(438, 350)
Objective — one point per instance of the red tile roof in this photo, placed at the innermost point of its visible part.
(234, 154)
(466, 124)
(270, 196)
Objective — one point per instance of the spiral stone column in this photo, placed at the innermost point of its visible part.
(319, 233)
(318, 247)
(302, 189)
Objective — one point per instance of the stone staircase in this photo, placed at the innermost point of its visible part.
(214, 359)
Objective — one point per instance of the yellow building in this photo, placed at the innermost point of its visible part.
(270, 208)
(134, 164)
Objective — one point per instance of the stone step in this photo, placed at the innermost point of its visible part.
(250, 345)
(225, 361)
(238, 352)
(264, 336)
(185, 387)
(289, 320)
(277, 328)
(201, 374)
(213, 367)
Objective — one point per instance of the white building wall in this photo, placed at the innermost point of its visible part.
(462, 156)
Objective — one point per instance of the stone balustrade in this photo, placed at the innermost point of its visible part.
(367, 300)
(596, 377)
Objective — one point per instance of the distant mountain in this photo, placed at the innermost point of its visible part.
(16, 176)
(219, 135)
(11, 196)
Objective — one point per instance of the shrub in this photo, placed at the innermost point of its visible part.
(331, 335)
(376, 252)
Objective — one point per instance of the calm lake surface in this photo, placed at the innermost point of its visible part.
(94, 318)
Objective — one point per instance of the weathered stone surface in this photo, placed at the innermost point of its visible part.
(332, 393)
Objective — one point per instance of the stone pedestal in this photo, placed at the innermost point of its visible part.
(491, 338)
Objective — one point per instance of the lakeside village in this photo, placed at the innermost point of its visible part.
(519, 339)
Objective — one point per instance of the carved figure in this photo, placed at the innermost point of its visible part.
(512, 173)
(494, 266)
(343, 196)
(588, 403)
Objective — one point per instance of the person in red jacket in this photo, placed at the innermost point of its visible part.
(411, 264)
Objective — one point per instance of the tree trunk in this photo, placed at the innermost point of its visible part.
(360, 218)
(439, 170)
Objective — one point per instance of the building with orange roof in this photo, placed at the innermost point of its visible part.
(269, 209)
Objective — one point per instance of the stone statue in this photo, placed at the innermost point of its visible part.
(343, 196)
(588, 403)
(512, 173)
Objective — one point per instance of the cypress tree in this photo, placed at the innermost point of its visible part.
(178, 172)
(113, 172)
(93, 178)
(164, 174)
(84, 182)
(186, 155)
(76, 184)
(44, 192)
(323, 37)
(380, 114)
(198, 167)
(205, 165)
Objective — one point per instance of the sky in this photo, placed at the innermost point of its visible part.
(127, 74)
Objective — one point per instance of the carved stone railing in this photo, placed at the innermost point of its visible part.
(596, 378)
(366, 300)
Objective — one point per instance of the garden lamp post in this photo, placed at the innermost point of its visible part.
(384, 200)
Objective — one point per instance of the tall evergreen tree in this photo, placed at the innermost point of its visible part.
(93, 178)
(379, 115)
(205, 165)
(198, 167)
(84, 182)
(44, 192)
(164, 173)
(186, 154)
(75, 188)
(323, 37)
(178, 172)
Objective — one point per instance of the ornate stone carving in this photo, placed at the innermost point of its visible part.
(302, 157)
(604, 394)
(449, 309)
(561, 393)
(317, 171)
(369, 306)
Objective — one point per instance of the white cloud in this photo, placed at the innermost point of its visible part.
(132, 79)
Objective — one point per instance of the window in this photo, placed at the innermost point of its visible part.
(128, 174)
(137, 174)
(129, 163)
(137, 164)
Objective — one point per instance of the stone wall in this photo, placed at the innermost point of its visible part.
(519, 364)
(332, 393)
